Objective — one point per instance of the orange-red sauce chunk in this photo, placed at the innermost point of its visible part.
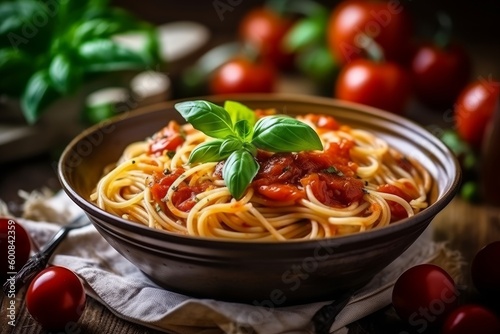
(183, 197)
(331, 175)
(397, 211)
(167, 139)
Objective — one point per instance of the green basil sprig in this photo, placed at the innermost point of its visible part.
(49, 49)
(237, 136)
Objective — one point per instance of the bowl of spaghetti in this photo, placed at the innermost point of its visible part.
(259, 197)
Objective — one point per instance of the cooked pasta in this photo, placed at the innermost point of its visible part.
(357, 183)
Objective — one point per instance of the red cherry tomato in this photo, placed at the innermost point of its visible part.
(265, 30)
(485, 272)
(473, 110)
(240, 75)
(15, 247)
(383, 85)
(440, 74)
(468, 319)
(387, 23)
(424, 295)
(55, 298)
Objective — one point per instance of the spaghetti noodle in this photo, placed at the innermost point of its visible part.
(355, 184)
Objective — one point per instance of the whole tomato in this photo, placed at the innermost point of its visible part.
(15, 247)
(387, 23)
(439, 74)
(468, 319)
(424, 295)
(383, 85)
(264, 29)
(55, 298)
(485, 272)
(240, 75)
(474, 109)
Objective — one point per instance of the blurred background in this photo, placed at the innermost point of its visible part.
(67, 65)
(475, 23)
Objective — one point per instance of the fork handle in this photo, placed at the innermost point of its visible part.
(36, 263)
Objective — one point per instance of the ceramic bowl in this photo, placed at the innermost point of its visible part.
(280, 273)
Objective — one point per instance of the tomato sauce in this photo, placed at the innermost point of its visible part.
(397, 211)
(331, 175)
(167, 139)
(323, 122)
(184, 196)
(283, 177)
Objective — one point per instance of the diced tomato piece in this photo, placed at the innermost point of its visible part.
(346, 190)
(166, 144)
(278, 168)
(162, 183)
(391, 189)
(331, 175)
(323, 121)
(281, 192)
(397, 211)
(184, 198)
(167, 139)
(405, 164)
(334, 190)
(318, 187)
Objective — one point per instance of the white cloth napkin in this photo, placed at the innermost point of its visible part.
(125, 291)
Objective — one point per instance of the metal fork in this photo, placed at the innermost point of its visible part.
(39, 261)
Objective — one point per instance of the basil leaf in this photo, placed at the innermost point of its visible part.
(306, 32)
(250, 148)
(239, 112)
(285, 134)
(96, 28)
(38, 94)
(209, 118)
(239, 170)
(82, 9)
(104, 10)
(17, 66)
(151, 49)
(102, 55)
(64, 75)
(229, 145)
(243, 129)
(94, 19)
(207, 152)
(104, 23)
(18, 29)
(94, 114)
(318, 63)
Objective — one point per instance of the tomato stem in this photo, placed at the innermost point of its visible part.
(302, 7)
(442, 38)
(251, 52)
(372, 48)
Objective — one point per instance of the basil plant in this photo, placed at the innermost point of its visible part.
(49, 48)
